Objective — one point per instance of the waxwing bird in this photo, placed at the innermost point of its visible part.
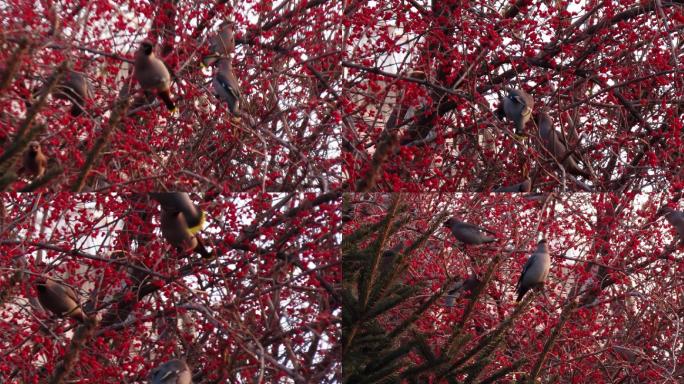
(469, 234)
(180, 201)
(152, 74)
(76, 88)
(34, 162)
(388, 259)
(221, 44)
(517, 107)
(535, 271)
(524, 186)
(181, 221)
(551, 139)
(226, 85)
(59, 299)
(175, 371)
(461, 288)
(675, 218)
(418, 134)
(176, 231)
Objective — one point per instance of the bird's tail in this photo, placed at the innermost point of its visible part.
(166, 98)
(521, 293)
(202, 250)
(76, 110)
(520, 127)
(194, 230)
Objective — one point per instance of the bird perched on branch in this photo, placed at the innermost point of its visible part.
(535, 271)
(34, 162)
(152, 74)
(181, 221)
(469, 234)
(59, 299)
(551, 140)
(175, 371)
(76, 88)
(221, 44)
(517, 106)
(461, 288)
(675, 218)
(226, 85)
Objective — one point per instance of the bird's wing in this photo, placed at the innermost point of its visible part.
(477, 227)
(527, 266)
(71, 293)
(225, 84)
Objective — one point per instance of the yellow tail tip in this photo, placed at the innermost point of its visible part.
(194, 230)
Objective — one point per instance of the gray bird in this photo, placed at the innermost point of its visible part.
(152, 74)
(551, 139)
(675, 218)
(517, 106)
(535, 271)
(59, 299)
(461, 288)
(221, 44)
(76, 88)
(469, 234)
(524, 186)
(175, 371)
(226, 85)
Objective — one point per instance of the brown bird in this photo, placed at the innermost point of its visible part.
(152, 74)
(221, 44)
(76, 88)
(551, 139)
(175, 229)
(59, 299)
(35, 162)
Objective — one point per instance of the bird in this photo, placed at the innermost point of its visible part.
(221, 44)
(174, 371)
(675, 218)
(152, 74)
(535, 271)
(517, 107)
(388, 260)
(551, 140)
(180, 222)
(59, 299)
(226, 86)
(417, 134)
(468, 233)
(35, 161)
(76, 88)
(524, 186)
(461, 288)
(180, 201)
